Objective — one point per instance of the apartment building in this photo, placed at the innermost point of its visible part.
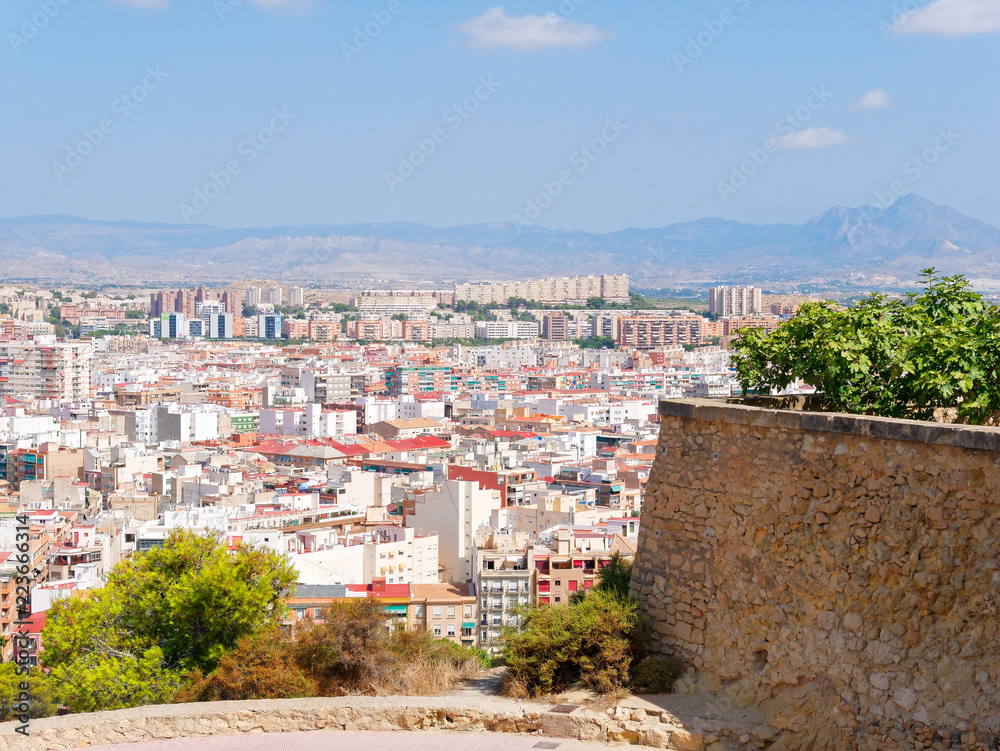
(401, 555)
(417, 379)
(573, 562)
(735, 301)
(506, 329)
(455, 509)
(504, 579)
(768, 323)
(448, 611)
(566, 290)
(45, 369)
(394, 304)
(649, 332)
(555, 327)
(295, 328)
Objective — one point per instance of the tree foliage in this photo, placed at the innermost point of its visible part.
(42, 689)
(94, 682)
(596, 342)
(594, 641)
(191, 600)
(939, 348)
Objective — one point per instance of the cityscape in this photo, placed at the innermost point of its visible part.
(553, 375)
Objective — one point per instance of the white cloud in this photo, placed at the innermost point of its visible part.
(494, 29)
(813, 138)
(952, 18)
(873, 100)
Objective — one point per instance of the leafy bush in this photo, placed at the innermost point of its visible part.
(260, 667)
(655, 675)
(893, 358)
(593, 641)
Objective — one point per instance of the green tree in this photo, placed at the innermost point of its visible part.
(41, 689)
(94, 683)
(135, 314)
(615, 577)
(596, 342)
(939, 348)
(192, 599)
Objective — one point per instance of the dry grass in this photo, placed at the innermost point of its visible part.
(425, 677)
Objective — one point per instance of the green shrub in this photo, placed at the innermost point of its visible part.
(260, 667)
(41, 688)
(594, 641)
(655, 675)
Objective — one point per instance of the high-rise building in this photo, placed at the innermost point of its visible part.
(253, 296)
(46, 369)
(296, 297)
(274, 296)
(269, 326)
(172, 326)
(735, 301)
(555, 327)
(220, 326)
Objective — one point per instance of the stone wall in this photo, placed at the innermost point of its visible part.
(840, 573)
(644, 726)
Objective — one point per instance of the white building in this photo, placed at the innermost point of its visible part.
(309, 421)
(507, 329)
(455, 510)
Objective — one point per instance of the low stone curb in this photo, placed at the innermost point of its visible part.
(144, 724)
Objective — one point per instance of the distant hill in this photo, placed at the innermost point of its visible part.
(863, 247)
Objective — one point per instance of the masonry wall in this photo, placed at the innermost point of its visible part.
(841, 573)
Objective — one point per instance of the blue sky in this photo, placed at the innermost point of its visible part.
(509, 103)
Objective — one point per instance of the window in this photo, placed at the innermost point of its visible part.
(468, 611)
(486, 602)
(418, 611)
(451, 611)
(451, 630)
(573, 585)
(496, 620)
(484, 634)
(558, 582)
(437, 631)
(437, 611)
(558, 599)
(543, 600)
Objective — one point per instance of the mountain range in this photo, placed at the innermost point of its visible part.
(864, 247)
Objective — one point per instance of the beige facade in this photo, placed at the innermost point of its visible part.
(45, 369)
(448, 611)
(577, 289)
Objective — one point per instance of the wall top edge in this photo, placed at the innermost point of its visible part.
(792, 413)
